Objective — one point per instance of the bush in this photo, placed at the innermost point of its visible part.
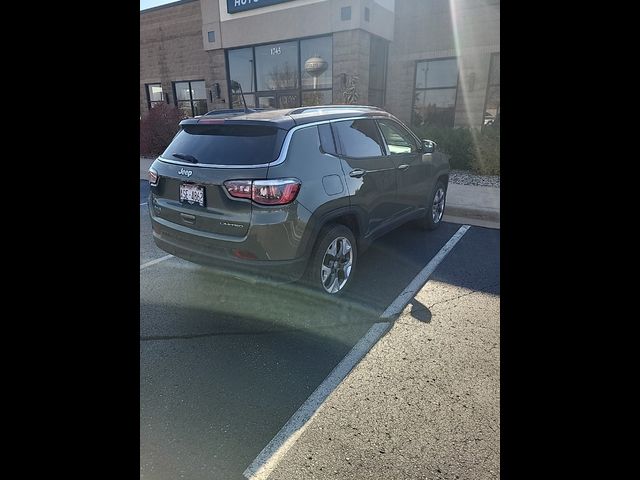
(454, 142)
(158, 127)
(480, 155)
(486, 157)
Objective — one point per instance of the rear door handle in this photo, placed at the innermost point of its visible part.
(404, 166)
(357, 173)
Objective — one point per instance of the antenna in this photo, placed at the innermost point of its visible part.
(236, 86)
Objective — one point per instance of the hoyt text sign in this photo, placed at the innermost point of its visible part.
(235, 6)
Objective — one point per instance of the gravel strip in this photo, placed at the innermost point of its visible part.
(461, 177)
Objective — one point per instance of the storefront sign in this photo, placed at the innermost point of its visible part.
(235, 6)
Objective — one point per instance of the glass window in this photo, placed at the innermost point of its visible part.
(198, 91)
(212, 36)
(191, 97)
(183, 92)
(283, 75)
(199, 107)
(437, 74)
(345, 13)
(436, 85)
(358, 138)
(241, 68)
(435, 107)
(288, 100)
(305, 144)
(317, 57)
(267, 101)
(237, 102)
(326, 139)
(277, 66)
(154, 94)
(492, 104)
(398, 140)
(227, 144)
(316, 97)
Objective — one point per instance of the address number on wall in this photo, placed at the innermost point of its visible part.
(276, 50)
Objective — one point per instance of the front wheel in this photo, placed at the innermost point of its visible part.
(435, 209)
(333, 260)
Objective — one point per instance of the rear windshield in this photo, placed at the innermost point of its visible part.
(226, 144)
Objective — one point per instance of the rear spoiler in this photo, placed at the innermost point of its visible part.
(285, 125)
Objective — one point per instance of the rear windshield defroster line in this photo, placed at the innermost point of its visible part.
(228, 144)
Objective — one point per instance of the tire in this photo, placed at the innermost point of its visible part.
(322, 269)
(435, 209)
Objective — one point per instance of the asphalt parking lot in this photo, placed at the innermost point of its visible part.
(225, 363)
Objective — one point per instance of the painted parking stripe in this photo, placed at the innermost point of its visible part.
(418, 282)
(153, 262)
(270, 455)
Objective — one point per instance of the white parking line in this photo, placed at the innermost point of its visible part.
(418, 282)
(270, 455)
(157, 260)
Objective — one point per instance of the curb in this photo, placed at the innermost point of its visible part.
(469, 212)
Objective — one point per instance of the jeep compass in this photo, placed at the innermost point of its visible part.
(293, 194)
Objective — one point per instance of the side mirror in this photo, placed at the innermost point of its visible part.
(428, 146)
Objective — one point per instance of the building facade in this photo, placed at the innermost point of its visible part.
(429, 62)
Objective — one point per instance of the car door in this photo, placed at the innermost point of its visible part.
(413, 169)
(369, 173)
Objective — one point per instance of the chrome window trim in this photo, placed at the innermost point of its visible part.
(283, 151)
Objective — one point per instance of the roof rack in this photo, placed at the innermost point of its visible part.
(325, 107)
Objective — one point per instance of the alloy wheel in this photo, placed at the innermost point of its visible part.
(336, 265)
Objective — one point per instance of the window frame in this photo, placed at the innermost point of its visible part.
(299, 90)
(191, 99)
(149, 101)
(416, 89)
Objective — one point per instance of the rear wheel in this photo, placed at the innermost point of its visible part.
(333, 260)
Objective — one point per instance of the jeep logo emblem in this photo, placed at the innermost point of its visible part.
(182, 171)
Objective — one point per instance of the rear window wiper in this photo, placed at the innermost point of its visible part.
(186, 156)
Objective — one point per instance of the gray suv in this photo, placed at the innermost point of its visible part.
(293, 194)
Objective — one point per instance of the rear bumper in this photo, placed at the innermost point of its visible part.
(197, 250)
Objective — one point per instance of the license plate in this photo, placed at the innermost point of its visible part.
(192, 194)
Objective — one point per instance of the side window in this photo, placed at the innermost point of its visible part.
(305, 144)
(326, 139)
(358, 138)
(398, 140)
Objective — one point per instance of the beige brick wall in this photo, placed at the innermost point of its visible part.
(424, 29)
(171, 50)
(351, 56)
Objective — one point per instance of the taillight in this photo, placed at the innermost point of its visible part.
(275, 192)
(239, 188)
(153, 177)
(265, 192)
